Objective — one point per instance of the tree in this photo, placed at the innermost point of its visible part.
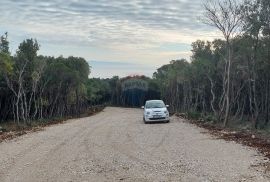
(257, 23)
(4, 44)
(204, 63)
(6, 68)
(21, 81)
(226, 17)
(5, 59)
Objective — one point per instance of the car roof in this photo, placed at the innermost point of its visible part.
(154, 101)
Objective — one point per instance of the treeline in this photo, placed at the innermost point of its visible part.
(36, 87)
(130, 91)
(133, 91)
(228, 79)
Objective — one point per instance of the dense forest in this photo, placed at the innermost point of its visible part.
(226, 79)
(36, 87)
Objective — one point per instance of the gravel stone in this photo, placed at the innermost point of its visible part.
(115, 145)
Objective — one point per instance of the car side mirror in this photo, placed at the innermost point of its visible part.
(142, 107)
(167, 106)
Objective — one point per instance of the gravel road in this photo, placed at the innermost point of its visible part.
(115, 145)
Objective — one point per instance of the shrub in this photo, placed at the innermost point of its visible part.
(193, 115)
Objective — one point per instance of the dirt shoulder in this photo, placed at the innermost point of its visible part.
(246, 137)
(11, 130)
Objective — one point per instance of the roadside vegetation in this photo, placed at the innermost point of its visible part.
(227, 80)
(39, 90)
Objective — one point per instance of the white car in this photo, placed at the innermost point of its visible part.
(155, 111)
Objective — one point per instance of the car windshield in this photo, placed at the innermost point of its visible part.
(154, 104)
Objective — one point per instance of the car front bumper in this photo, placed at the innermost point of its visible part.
(152, 119)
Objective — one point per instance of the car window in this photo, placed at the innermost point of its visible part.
(154, 104)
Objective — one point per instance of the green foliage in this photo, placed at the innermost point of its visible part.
(6, 64)
(193, 115)
(28, 49)
(37, 87)
(210, 118)
(98, 91)
(4, 44)
(199, 86)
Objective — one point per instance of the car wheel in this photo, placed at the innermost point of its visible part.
(144, 121)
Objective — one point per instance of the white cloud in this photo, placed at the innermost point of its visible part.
(107, 29)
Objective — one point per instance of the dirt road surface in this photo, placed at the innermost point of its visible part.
(115, 145)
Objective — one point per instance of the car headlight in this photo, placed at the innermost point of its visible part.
(147, 113)
(166, 112)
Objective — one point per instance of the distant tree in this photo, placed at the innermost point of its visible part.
(4, 44)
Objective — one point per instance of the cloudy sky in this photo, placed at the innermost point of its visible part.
(120, 37)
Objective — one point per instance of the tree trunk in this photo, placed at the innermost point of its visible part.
(227, 94)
